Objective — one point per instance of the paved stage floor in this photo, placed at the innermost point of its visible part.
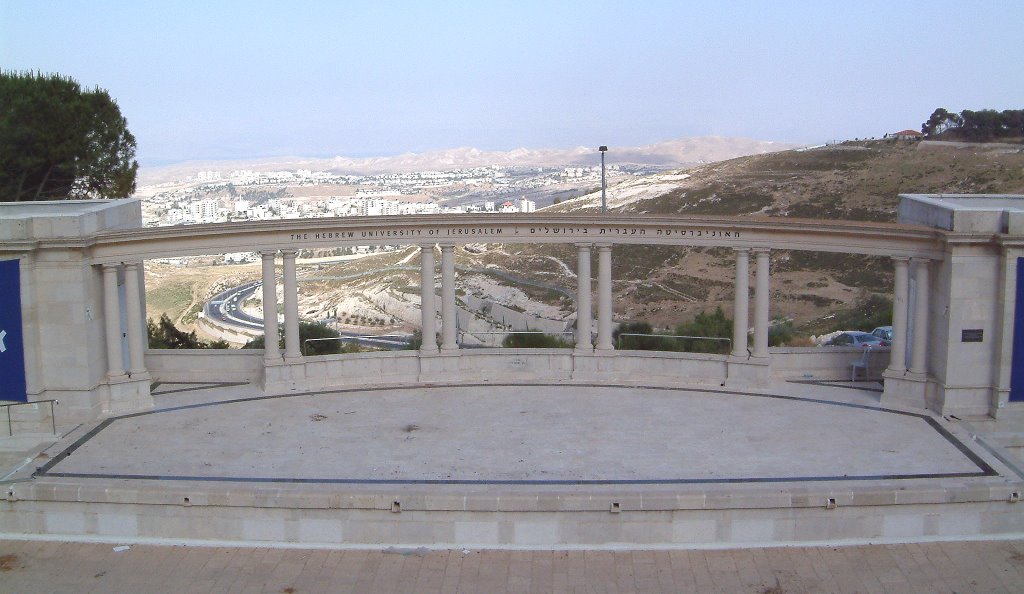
(522, 434)
(475, 449)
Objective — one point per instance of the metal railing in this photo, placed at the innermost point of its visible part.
(10, 423)
(463, 333)
(397, 339)
(657, 337)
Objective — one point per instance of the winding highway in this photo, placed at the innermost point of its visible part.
(225, 309)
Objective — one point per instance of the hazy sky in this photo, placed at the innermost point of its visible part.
(226, 79)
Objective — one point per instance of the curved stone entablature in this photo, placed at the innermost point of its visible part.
(881, 239)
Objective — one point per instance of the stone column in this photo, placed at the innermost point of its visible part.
(584, 341)
(604, 297)
(112, 321)
(136, 350)
(449, 315)
(741, 303)
(271, 350)
(919, 348)
(292, 346)
(898, 350)
(1003, 329)
(427, 307)
(143, 331)
(761, 297)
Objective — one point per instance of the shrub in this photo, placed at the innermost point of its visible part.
(642, 343)
(416, 342)
(313, 330)
(781, 334)
(163, 334)
(714, 325)
(530, 340)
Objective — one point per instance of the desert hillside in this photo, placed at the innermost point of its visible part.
(853, 180)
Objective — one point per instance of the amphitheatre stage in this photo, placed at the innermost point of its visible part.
(590, 446)
(519, 466)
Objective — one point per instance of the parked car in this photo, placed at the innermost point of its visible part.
(884, 333)
(856, 338)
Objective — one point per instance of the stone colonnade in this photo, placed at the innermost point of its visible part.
(449, 330)
(905, 364)
(584, 339)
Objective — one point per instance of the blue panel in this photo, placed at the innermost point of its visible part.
(12, 346)
(1017, 371)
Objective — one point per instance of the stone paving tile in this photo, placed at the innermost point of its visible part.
(29, 567)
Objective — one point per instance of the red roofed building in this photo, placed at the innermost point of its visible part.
(905, 135)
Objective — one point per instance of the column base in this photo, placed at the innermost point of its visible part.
(905, 389)
(127, 394)
(1000, 402)
(748, 371)
(439, 365)
(286, 375)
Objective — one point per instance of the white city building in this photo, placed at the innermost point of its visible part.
(524, 205)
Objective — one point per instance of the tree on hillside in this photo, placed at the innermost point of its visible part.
(983, 125)
(58, 141)
(940, 121)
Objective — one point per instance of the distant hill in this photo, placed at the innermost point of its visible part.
(681, 152)
(853, 180)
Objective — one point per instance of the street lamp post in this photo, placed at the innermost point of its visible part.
(604, 204)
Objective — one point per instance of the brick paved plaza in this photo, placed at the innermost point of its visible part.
(32, 566)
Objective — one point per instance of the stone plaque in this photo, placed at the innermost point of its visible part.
(972, 335)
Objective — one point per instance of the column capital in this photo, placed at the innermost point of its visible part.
(603, 246)
(742, 250)
(447, 247)
(760, 250)
(901, 259)
(583, 246)
(427, 246)
(268, 253)
(110, 267)
(921, 260)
